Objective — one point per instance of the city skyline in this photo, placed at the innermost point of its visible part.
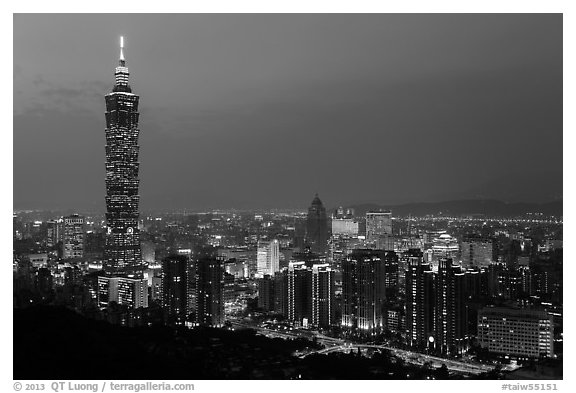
(277, 120)
(372, 112)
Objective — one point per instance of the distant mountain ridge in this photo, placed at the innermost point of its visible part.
(486, 207)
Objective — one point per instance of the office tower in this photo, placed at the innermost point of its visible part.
(174, 288)
(299, 293)
(322, 295)
(317, 227)
(450, 310)
(54, 232)
(378, 224)
(476, 252)
(364, 290)
(122, 256)
(268, 257)
(73, 236)
(445, 246)
(516, 332)
(122, 290)
(419, 301)
(344, 224)
(391, 274)
(209, 273)
(266, 293)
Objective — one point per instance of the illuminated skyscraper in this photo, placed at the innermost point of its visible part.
(122, 258)
(268, 257)
(419, 301)
(364, 290)
(322, 295)
(317, 227)
(299, 293)
(209, 286)
(123, 255)
(450, 308)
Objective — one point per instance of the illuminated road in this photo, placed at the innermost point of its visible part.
(339, 345)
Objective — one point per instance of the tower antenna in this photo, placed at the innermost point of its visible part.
(122, 48)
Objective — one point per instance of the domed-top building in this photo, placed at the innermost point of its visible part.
(317, 227)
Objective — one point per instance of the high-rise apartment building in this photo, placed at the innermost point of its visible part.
(122, 255)
(299, 294)
(419, 301)
(73, 236)
(209, 288)
(391, 274)
(317, 227)
(266, 293)
(364, 290)
(54, 232)
(268, 257)
(174, 288)
(449, 308)
(322, 295)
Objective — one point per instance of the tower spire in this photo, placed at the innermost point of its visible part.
(122, 59)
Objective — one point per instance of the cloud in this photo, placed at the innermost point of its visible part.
(46, 96)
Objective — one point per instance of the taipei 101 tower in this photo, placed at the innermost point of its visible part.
(123, 282)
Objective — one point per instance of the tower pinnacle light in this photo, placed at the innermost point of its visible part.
(122, 49)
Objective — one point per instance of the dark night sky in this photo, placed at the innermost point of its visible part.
(265, 110)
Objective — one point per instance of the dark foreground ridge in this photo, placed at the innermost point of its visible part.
(55, 343)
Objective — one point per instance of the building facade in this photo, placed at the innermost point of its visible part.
(73, 236)
(476, 252)
(516, 332)
(378, 224)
